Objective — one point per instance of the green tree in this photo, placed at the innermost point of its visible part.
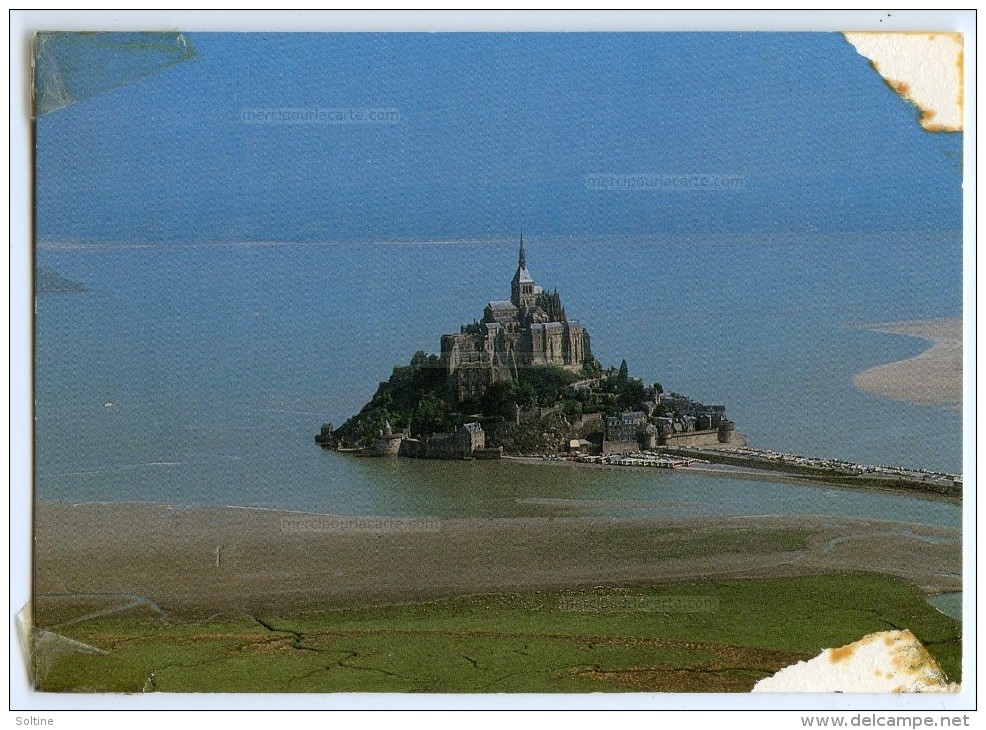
(431, 415)
(525, 395)
(572, 408)
(497, 401)
(631, 395)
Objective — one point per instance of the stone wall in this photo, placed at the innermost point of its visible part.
(412, 449)
(445, 446)
(456, 445)
(691, 438)
(490, 453)
(536, 413)
(388, 445)
(587, 419)
(619, 447)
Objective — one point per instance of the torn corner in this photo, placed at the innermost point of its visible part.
(40, 649)
(925, 69)
(887, 661)
(72, 67)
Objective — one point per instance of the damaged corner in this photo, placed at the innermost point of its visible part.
(924, 69)
(69, 67)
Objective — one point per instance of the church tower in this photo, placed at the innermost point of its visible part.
(522, 289)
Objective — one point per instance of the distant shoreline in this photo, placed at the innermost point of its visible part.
(934, 377)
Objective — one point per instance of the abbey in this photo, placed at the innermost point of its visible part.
(529, 330)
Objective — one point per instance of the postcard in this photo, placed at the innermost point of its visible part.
(498, 362)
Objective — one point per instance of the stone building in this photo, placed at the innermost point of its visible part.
(466, 441)
(623, 432)
(531, 329)
(625, 426)
(388, 443)
(471, 437)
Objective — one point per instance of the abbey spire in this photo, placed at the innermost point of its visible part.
(522, 289)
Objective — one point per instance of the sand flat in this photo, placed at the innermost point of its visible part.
(933, 377)
(170, 557)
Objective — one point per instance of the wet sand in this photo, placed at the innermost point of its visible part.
(932, 378)
(286, 561)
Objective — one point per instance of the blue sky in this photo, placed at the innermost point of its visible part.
(495, 131)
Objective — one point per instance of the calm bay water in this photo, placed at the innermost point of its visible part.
(222, 361)
(949, 604)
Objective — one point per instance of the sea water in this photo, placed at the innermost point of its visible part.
(200, 373)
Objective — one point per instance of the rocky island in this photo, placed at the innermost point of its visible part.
(522, 380)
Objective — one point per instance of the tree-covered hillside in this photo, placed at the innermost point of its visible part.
(417, 396)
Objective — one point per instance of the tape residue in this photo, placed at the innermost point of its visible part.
(73, 67)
